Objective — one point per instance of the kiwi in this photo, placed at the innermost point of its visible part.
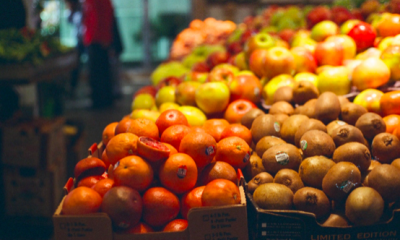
(310, 124)
(364, 206)
(289, 178)
(343, 100)
(351, 112)
(385, 179)
(281, 107)
(267, 142)
(396, 163)
(304, 91)
(307, 109)
(273, 196)
(333, 125)
(254, 167)
(371, 124)
(265, 125)
(257, 180)
(327, 107)
(313, 169)
(385, 147)
(354, 152)
(364, 176)
(248, 118)
(316, 143)
(281, 156)
(312, 200)
(290, 127)
(336, 220)
(340, 180)
(284, 93)
(345, 134)
(280, 118)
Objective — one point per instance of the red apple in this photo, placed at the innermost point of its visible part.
(258, 41)
(147, 89)
(225, 75)
(201, 67)
(329, 53)
(371, 73)
(169, 81)
(234, 48)
(349, 46)
(246, 86)
(304, 59)
(363, 34)
(286, 34)
(318, 14)
(357, 14)
(256, 61)
(237, 109)
(217, 58)
(195, 76)
(185, 93)
(279, 60)
(389, 25)
(340, 14)
(324, 29)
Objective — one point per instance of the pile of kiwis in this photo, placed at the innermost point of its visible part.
(322, 154)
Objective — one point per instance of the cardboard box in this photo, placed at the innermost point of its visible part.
(298, 225)
(207, 223)
(36, 144)
(32, 192)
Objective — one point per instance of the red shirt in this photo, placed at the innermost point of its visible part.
(98, 17)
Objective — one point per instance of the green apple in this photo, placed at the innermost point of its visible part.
(306, 76)
(212, 97)
(165, 94)
(334, 79)
(169, 69)
(386, 42)
(194, 115)
(324, 29)
(143, 101)
(391, 57)
(258, 41)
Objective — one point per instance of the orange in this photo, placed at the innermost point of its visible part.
(169, 118)
(144, 127)
(89, 166)
(120, 146)
(105, 159)
(172, 149)
(197, 129)
(178, 173)
(234, 151)
(200, 146)
(176, 225)
(174, 135)
(237, 130)
(81, 200)
(133, 172)
(390, 103)
(103, 186)
(89, 181)
(160, 206)
(220, 192)
(191, 200)
(123, 125)
(396, 131)
(391, 121)
(152, 150)
(108, 132)
(139, 228)
(214, 127)
(216, 170)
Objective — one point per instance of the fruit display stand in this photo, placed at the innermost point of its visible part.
(226, 222)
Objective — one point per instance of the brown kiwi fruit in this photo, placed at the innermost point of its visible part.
(304, 91)
(333, 125)
(351, 112)
(289, 178)
(284, 93)
(364, 176)
(312, 200)
(385, 179)
(281, 156)
(364, 206)
(248, 118)
(343, 100)
(396, 163)
(254, 167)
(336, 220)
(273, 196)
(257, 180)
(310, 124)
(281, 107)
(307, 109)
(264, 125)
(313, 169)
(371, 124)
(290, 127)
(340, 180)
(266, 143)
(345, 134)
(280, 118)
(327, 107)
(385, 147)
(354, 152)
(317, 143)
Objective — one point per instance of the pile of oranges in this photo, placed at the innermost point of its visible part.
(152, 173)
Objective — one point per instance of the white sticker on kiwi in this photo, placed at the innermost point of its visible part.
(340, 123)
(346, 186)
(277, 126)
(303, 145)
(282, 158)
